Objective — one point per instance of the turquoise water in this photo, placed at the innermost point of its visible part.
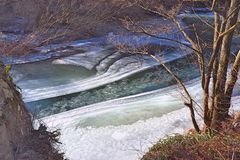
(45, 74)
(148, 80)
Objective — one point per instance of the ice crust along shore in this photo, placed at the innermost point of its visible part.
(43, 53)
(122, 141)
(82, 140)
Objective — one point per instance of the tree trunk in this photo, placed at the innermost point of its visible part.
(221, 101)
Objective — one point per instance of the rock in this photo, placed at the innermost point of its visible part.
(18, 140)
(15, 122)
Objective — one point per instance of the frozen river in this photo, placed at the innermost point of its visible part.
(109, 105)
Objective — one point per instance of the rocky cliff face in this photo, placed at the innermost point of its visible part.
(15, 122)
(18, 139)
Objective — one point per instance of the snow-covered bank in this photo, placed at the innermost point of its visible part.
(91, 132)
(44, 53)
(121, 141)
(127, 142)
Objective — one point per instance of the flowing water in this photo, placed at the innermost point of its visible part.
(41, 74)
(148, 80)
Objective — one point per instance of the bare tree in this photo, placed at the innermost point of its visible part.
(217, 84)
(62, 21)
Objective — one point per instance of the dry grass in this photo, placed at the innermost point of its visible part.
(40, 145)
(205, 146)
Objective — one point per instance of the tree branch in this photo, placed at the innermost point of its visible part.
(178, 80)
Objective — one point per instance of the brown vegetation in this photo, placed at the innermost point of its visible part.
(46, 22)
(195, 146)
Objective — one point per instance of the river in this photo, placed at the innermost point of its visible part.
(108, 105)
